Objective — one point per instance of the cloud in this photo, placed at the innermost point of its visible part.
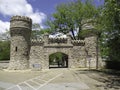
(20, 7)
(15, 7)
(4, 26)
(38, 17)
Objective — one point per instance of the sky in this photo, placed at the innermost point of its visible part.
(37, 10)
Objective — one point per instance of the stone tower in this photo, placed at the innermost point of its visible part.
(20, 30)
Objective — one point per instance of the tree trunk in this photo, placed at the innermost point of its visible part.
(73, 34)
(80, 28)
(97, 51)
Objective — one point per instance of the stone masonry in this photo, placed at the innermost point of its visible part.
(34, 54)
(20, 30)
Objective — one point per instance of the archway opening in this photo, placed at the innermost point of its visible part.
(58, 60)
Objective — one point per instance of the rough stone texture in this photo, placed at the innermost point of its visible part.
(36, 57)
(79, 51)
(90, 48)
(79, 56)
(20, 30)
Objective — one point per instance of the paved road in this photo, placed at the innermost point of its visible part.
(53, 79)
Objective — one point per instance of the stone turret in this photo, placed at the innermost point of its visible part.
(20, 31)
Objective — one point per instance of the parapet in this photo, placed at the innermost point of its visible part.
(21, 18)
(78, 42)
(57, 40)
(35, 42)
(20, 22)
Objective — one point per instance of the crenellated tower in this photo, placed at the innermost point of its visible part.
(20, 31)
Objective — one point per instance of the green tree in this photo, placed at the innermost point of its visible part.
(56, 56)
(111, 26)
(4, 50)
(5, 45)
(37, 31)
(69, 16)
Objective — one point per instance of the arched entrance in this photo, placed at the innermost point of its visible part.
(58, 60)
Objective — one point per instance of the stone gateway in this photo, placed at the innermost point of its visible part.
(27, 53)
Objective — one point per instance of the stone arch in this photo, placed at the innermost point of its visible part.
(58, 60)
(49, 51)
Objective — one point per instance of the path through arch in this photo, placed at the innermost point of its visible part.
(58, 60)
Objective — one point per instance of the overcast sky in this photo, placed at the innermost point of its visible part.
(38, 10)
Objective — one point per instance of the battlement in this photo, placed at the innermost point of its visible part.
(21, 18)
(57, 40)
(20, 22)
(78, 42)
(36, 42)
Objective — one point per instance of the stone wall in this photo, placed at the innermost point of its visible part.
(40, 54)
(90, 49)
(79, 56)
(36, 57)
(79, 52)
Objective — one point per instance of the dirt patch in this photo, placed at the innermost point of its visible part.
(110, 79)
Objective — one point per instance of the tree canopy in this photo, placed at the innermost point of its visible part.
(69, 17)
(111, 30)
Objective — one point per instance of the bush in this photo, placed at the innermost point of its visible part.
(4, 50)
